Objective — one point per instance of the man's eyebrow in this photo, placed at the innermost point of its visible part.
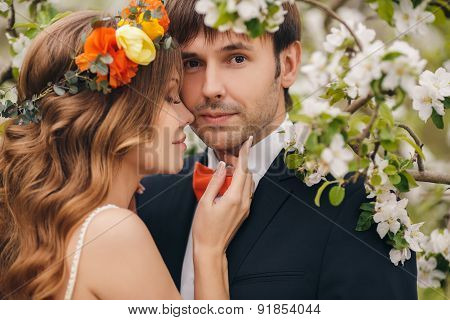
(188, 55)
(237, 46)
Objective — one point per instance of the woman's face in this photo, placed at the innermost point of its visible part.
(164, 153)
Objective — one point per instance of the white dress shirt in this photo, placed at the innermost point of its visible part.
(260, 158)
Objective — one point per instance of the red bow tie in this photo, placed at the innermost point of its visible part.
(202, 177)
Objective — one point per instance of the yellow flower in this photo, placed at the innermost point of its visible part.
(152, 27)
(137, 45)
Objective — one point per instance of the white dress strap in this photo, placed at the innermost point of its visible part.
(77, 253)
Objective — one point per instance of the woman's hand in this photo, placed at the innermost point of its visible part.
(217, 219)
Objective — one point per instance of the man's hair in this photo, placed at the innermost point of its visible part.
(186, 24)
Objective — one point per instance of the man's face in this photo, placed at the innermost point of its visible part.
(230, 87)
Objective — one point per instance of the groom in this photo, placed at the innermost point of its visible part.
(287, 248)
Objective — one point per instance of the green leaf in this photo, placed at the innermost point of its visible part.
(412, 144)
(71, 77)
(59, 91)
(391, 56)
(168, 43)
(390, 170)
(386, 114)
(386, 10)
(59, 16)
(102, 68)
(294, 160)
(337, 194)
(411, 181)
(375, 180)
(147, 15)
(403, 185)
(320, 191)
(438, 120)
(447, 103)
(368, 206)
(73, 90)
(106, 59)
(395, 179)
(365, 221)
(255, 27)
(26, 25)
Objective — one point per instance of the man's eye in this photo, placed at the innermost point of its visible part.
(189, 64)
(238, 59)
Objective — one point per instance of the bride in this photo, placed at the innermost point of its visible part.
(68, 177)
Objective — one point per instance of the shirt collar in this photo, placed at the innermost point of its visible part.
(261, 154)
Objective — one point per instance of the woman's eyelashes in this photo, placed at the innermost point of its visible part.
(173, 100)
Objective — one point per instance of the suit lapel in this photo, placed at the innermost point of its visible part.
(272, 192)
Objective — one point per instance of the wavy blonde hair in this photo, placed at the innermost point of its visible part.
(52, 174)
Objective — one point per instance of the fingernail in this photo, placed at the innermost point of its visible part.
(220, 167)
(250, 141)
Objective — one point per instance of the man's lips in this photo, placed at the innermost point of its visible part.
(216, 117)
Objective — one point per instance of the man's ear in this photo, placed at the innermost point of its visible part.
(290, 59)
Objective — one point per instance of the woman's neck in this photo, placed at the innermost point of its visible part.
(123, 187)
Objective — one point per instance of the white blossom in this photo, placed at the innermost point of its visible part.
(336, 38)
(209, 9)
(409, 19)
(364, 68)
(403, 70)
(19, 46)
(438, 242)
(390, 214)
(397, 256)
(249, 9)
(433, 89)
(337, 156)
(414, 237)
(316, 177)
(292, 138)
(427, 274)
(3, 6)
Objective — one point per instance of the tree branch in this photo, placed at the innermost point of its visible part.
(12, 21)
(335, 5)
(333, 14)
(358, 104)
(430, 176)
(417, 141)
(6, 75)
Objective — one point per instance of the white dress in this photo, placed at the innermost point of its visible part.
(77, 253)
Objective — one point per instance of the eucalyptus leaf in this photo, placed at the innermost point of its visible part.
(58, 90)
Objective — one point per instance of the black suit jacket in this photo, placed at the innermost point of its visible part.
(288, 248)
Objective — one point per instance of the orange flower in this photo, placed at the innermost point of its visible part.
(122, 70)
(155, 4)
(102, 41)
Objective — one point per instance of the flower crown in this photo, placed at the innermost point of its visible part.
(110, 57)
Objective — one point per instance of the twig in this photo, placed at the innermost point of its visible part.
(358, 104)
(417, 141)
(366, 131)
(6, 75)
(335, 5)
(335, 16)
(430, 176)
(12, 21)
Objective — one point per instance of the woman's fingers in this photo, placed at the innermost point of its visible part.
(215, 184)
(241, 170)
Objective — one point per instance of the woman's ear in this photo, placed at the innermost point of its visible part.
(290, 59)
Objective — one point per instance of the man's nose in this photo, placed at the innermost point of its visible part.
(213, 88)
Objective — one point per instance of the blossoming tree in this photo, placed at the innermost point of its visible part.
(358, 94)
